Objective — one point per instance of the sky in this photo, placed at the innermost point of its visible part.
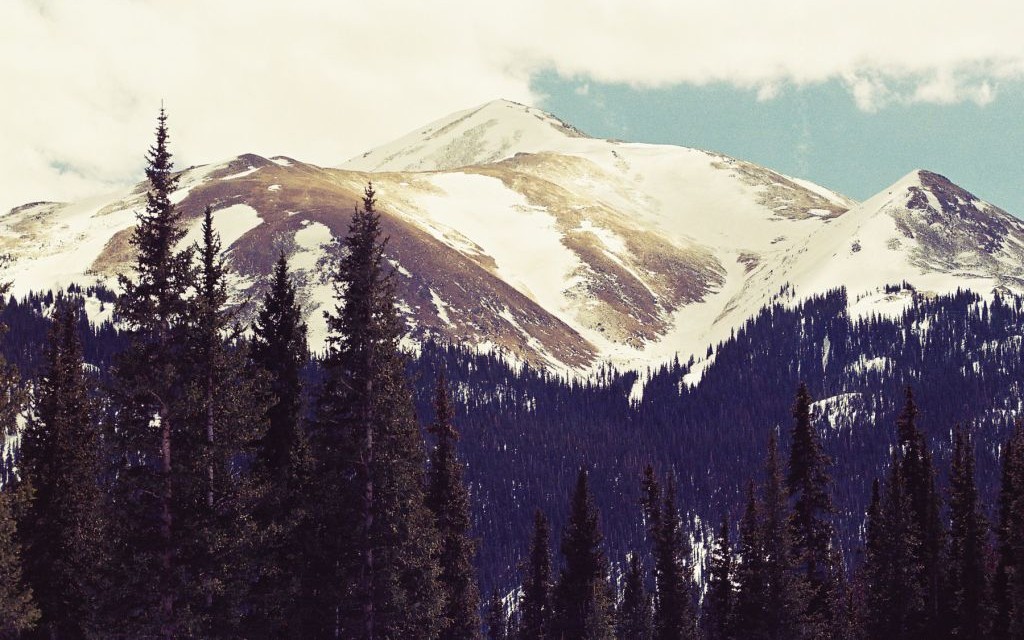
(849, 95)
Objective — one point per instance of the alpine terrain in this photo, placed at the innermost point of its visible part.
(513, 232)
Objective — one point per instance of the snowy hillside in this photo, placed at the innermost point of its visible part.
(512, 231)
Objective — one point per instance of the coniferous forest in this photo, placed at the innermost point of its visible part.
(178, 474)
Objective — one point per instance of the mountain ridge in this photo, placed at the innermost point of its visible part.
(518, 233)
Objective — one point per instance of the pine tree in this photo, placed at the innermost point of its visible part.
(896, 589)
(60, 460)
(378, 538)
(224, 415)
(279, 351)
(719, 602)
(535, 608)
(448, 498)
(674, 617)
(582, 603)
(149, 395)
(786, 590)
(279, 348)
(1009, 578)
(809, 486)
(635, 616)
(18, 611)
(967, 581)
(752, 572)
(918, 473)
(496, 618)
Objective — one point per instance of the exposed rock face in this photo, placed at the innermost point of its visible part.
(511, 230)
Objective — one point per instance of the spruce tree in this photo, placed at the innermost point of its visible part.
(720, 600)
(148, 578)
(279, 352)
(60, 460)
(496, 619)
(809, 487)
(225, 417)
(674, 617)
(378, 540)
(751, 610)
(18, 611)
(535, 608)
(279, 348)
(897, 589)
(635, 616)
(582, 603)
(1009, 578)
(967, 582)
(918, 474)
(786, 589)
(448, 498)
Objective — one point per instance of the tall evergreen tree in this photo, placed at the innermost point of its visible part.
(1009, 578)
(535, 608)
(496, 618)
(896, 591)
(786, 589)
(448, 498)
(674, 617)
(717, 620)
(918, 474)
(279, 351)
(809, 487)
(752, 572)
(225, 417)
(279, 348)
(18, 611)
(635, 616)
(967, 582)
(582, 603)
(377, 535)
(60, 460)
(149, 397)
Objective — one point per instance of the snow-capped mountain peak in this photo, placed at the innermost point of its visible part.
(512, 231)
(488, 133)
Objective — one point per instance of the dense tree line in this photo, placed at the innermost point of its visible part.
(179, 476)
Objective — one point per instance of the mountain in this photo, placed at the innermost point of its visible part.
(513, 231)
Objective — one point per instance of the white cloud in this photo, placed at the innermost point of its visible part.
(326, 80)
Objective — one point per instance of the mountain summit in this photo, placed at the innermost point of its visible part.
(512, 231)
(491, 132)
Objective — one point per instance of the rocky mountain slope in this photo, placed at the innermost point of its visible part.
(511, 230)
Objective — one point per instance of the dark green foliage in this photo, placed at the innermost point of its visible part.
(750, 614)
(535, 607)
(377, 573)
(1009, 578)
(496, 618)
(918, 473)
(967, 602)
(635, 615)
(448, 499)
(18, 611)
(674, 616)
(149, 396)
(814, 554)
(279, 348)
(225, 418)
(772, 597)
(718, 618)
(583, 608)
(279, 352)
(60, 461)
